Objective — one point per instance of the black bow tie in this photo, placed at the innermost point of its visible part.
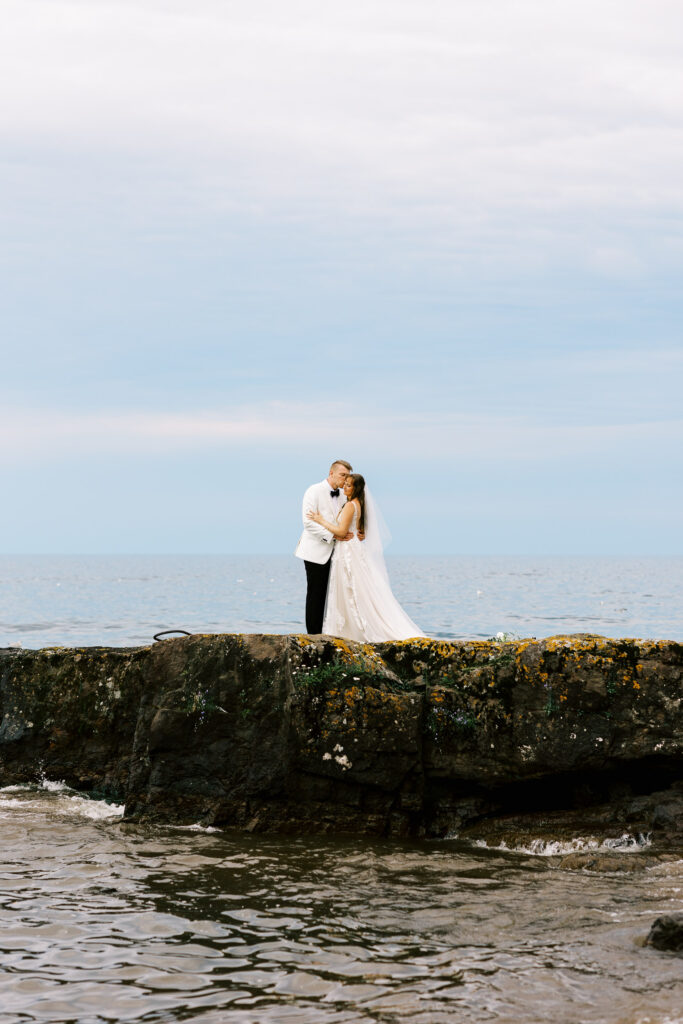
(334, 493)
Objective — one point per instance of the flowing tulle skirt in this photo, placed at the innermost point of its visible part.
(360, 604)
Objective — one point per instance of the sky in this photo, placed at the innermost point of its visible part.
(441, 239)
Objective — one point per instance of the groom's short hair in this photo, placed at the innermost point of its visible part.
(341, 462)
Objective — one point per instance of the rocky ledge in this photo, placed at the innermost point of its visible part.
(309, 733)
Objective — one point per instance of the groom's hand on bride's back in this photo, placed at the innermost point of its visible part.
(349, 536)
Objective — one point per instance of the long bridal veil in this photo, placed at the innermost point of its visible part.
(393, 621)
(377, 535)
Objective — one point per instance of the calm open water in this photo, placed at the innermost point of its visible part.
(124, 600)
(104, 922)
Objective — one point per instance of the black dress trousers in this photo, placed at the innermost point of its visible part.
(317, 577)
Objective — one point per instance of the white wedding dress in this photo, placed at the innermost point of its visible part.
(360, 605)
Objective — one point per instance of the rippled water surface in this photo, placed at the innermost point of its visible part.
(106, 922)
(125, 600)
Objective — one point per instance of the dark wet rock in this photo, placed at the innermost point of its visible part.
(71, 713)
(660, 812)
(298, 733)
(668, 815)
(604, 862)
(667, 933)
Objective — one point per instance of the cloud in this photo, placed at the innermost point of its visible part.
(457, 114)
(499, 440)
(616, 262)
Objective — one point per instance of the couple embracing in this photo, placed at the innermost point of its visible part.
(348, 591)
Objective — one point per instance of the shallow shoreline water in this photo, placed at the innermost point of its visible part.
(107, 922)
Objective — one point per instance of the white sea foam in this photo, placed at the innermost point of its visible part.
(61, 798)
(96, 810)
(195, 828)
(43, 783)
(625, 843)
(53, 786)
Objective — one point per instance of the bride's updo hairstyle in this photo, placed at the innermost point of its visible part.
(358, 484)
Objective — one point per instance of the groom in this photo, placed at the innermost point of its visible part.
(316, 543)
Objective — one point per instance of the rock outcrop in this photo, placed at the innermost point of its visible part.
(667, 933)
(301, 733)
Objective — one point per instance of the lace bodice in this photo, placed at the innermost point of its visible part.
(353, 525)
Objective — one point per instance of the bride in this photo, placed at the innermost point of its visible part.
(360, 604)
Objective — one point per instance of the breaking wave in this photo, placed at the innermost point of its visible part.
(626, 843)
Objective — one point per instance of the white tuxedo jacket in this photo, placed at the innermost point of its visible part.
(316, 542)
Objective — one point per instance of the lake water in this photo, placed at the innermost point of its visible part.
(102, 922)
(125, 600)
(105, 923)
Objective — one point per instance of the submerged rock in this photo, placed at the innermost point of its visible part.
(604, 862)
(301, 733)
(667, 933)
